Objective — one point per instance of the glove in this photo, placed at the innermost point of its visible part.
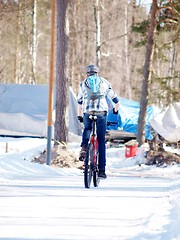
(80, 119)
(114, 112)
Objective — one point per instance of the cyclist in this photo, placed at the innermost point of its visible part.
(99, 106)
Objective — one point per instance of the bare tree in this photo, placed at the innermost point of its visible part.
(61, 78)
(122, 50)
(147, 74)
(98, 31)
(34, 43)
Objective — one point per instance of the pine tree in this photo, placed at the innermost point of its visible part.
(147, 73)
(61, 78)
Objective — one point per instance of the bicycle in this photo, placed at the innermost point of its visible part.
(92, 156)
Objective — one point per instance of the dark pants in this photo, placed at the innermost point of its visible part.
(101, 132)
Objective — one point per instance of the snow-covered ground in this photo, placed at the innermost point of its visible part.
(136, 202)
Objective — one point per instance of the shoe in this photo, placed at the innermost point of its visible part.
(102, 174)
(82, 154)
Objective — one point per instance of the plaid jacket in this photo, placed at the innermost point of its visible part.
(97, 105)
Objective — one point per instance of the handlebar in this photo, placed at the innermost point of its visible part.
(109, 123)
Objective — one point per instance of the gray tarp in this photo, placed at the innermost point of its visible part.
(24, 110)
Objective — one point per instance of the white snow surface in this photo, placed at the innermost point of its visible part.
(37, 201)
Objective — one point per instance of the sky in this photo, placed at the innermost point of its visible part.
(135, 202)
(146, 3)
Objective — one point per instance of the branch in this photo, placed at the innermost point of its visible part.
(111, 39)
(171, 7)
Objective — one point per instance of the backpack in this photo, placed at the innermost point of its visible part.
(94, 89)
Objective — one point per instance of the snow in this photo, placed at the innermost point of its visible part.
(135, 202)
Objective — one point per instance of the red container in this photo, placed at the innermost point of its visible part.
(130, 150)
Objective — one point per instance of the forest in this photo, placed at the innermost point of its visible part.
(119, 49)
(136, 45)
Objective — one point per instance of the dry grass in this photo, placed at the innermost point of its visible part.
(61, 157)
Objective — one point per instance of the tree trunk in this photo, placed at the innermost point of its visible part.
(126, 50)
(147, 74)
(61, 79)
(18, 49)
(98, 31)
(34, 43)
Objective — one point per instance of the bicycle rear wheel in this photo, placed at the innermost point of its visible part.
(96, 180)
(88, 170)
(94, 164)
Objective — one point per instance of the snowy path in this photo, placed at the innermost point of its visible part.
(45, 203)
(122, 208)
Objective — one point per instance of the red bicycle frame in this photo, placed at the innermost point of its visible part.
(94, 142)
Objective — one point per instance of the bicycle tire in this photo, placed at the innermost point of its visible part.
(96, 180)
(87, 177)
(88, 170)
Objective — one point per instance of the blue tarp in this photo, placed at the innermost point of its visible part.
(128, 116)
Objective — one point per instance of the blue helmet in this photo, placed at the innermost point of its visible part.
(92, 69)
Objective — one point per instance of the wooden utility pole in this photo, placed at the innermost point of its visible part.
(51, 85)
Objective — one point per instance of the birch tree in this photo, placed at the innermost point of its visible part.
(34, 43)
(98, 32)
